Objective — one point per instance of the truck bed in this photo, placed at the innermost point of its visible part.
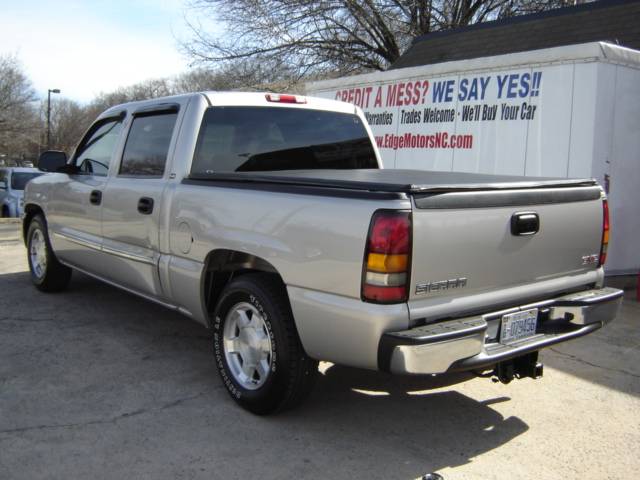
(461, 230)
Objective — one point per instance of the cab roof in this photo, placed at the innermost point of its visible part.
(215, 98)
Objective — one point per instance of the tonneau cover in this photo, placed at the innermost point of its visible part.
(401, 181)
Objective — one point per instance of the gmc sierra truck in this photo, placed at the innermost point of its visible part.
(269, 219)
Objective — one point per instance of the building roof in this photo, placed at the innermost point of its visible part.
(616, 21)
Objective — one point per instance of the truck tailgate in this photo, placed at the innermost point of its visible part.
(464, 244)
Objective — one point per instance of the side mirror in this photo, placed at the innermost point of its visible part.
(3, 185)
(52, 161)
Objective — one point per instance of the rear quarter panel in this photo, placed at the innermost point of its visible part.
(313, 241)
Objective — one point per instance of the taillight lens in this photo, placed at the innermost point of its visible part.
(284, 98)
(605, 233)
(387, 258)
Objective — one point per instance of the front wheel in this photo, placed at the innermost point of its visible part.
(256, 346)
(47, 273)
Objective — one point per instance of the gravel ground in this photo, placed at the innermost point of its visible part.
(96, 383)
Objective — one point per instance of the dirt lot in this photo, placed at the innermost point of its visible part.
(96, 383)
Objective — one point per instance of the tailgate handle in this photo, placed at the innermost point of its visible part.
(525, 223)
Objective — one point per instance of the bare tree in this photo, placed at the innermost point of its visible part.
(19, 125)
(246, 74)
(152, 88)
(69, 120)
(334, 36)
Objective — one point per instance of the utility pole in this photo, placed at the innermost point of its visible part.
(49, 92)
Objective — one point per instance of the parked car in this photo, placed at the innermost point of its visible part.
(269, 219)
(12, 183)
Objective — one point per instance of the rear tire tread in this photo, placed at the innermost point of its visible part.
(301, 370)
(304, 369)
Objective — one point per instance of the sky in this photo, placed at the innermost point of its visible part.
(92, 46)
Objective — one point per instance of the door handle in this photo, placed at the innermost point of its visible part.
(96, 197)
(145, 206)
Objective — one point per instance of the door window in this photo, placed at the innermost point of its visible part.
(147, 147)
(95, 151)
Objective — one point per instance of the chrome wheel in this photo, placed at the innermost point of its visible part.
(38, 253)
(247, 346)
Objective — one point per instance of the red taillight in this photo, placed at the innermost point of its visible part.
(284, 98)
(387, 257)
(389, 233)
(605, 233)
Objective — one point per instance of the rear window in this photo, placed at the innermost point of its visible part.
(246, 139)
(19, 179)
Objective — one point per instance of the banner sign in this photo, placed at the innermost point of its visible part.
(481, 122)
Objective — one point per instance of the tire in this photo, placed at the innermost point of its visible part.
(47, 273)
(256, 346)
(5, 212)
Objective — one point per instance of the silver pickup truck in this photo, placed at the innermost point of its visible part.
(269, 219)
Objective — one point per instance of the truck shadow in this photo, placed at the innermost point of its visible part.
(406, 419)
(123, 369)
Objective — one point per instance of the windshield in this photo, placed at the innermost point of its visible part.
(19, 179)
(243, 139)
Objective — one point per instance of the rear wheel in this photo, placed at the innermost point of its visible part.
(256, 346)
(47, 273)
(5, 212)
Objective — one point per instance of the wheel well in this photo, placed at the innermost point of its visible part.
(224, 265)
(30, 211)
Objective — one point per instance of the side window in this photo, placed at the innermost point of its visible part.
(94, 153)
(147, 147)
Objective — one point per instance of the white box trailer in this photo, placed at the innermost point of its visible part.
(571, 111)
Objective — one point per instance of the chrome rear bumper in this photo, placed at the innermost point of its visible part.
(471, 343)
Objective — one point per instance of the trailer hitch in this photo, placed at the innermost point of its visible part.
(519, 367)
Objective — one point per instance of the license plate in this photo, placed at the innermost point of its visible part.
(519, 325)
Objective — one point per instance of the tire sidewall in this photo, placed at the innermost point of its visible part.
(37, 224)
(269, 393)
